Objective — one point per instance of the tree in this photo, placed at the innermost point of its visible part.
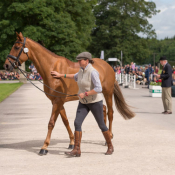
(165, 47)
(118, 27)
(62, 26)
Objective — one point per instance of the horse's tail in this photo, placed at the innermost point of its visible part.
(120, 103)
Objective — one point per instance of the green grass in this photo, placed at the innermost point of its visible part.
(160, 71)
(7, 89)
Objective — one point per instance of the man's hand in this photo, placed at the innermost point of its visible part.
(158, 76)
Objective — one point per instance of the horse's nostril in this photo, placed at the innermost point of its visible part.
(6, 66)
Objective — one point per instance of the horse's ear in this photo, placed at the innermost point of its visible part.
(19, 36)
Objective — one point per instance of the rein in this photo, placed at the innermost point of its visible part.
(65, 95)
(22, 71)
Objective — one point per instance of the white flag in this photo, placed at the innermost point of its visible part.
(102, 55)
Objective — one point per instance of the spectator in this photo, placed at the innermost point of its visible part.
(130, 69)
(127, 69)
(37, 77)
(152, 73)
(34, 70)
(28, 76)
(4, 76)
(115, 69)
(174, 80)
(173, 70)
(132, 66)
(118, 71)
(31, 67)
(147, 74)
(1, 73)
(156, 70)
(122, 70)
(139, 78)
(141, 69)
(16, 76)
(31, 76)
(150, 69)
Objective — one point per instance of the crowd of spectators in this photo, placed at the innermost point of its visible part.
(5, 75)
(144, 74)
(33, 75)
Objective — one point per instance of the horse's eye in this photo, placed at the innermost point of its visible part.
(16, 47)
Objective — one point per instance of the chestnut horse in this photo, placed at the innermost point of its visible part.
(45, 61)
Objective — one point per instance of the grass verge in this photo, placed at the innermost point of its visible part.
(7, 89)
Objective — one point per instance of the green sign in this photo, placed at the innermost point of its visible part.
(155, 91)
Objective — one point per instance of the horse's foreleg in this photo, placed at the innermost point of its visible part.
(66, 123)
(53, 118)
(108, 99)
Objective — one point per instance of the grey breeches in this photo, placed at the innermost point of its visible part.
(97, 111)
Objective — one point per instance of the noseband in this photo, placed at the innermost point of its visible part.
(17, 58)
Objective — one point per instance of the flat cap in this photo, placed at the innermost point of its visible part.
(163, 58)
(84, 55)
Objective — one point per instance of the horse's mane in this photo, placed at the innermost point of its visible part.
(70, 63)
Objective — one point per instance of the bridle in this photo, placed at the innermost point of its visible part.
(22, 71)
(17, 58)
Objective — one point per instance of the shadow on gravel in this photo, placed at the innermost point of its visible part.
(34, 146)
(147, 113)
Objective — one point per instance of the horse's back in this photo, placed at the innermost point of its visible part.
(107, 74)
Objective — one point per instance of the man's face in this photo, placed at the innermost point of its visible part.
(162, 62)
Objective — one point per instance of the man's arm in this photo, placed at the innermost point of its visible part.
(168, 72)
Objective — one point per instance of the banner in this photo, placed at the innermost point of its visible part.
(102, 55)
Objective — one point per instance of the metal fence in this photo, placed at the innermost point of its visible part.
(126, 80)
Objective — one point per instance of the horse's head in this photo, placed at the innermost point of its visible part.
(18, 53)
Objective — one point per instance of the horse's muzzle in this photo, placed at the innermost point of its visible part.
(8, 67)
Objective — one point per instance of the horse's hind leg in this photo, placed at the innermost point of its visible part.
(104, 113)
(108, 98)
(53, 118)
(66, 123)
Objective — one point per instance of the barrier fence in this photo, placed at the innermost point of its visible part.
(126, 80)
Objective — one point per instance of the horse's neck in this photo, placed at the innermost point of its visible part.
(41, 57)
(44, 60)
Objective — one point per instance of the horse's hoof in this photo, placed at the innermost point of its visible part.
(71, 147)
(43, 152)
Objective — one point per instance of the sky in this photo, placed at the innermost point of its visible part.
(164, 21)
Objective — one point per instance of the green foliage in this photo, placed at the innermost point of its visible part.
(164, 47)
(160, 71)
(63, 26)
(155, 84)
(68, 27)
(118, 25)
(7, 89)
